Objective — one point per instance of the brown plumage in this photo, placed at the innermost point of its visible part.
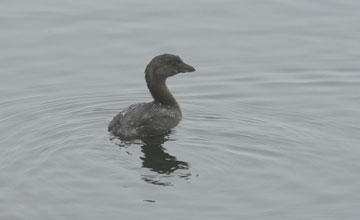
(156, 117)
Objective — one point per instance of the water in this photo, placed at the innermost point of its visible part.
(271, 121)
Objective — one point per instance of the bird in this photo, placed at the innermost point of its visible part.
(158, 117)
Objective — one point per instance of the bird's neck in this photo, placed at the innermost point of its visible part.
(161, 93)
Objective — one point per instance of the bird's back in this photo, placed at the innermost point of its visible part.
(144, 120)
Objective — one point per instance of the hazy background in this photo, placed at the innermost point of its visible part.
(271, 121)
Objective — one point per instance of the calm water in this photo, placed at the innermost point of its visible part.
(271, 121)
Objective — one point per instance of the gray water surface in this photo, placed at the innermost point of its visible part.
(271, 120)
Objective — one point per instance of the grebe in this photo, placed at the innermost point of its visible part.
(156, 117)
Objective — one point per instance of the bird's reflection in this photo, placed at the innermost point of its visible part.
(162, 164)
